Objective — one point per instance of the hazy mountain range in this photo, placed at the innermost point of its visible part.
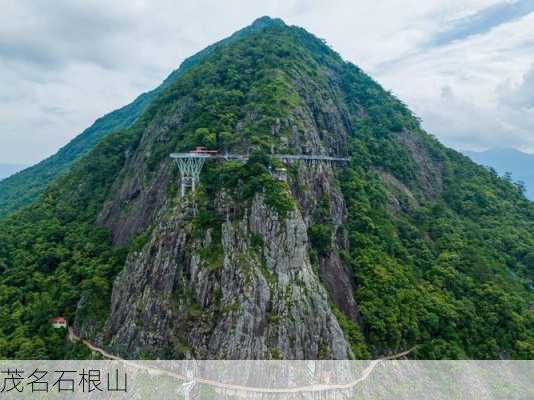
(519, 164)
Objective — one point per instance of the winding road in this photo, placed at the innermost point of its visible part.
(221, 385)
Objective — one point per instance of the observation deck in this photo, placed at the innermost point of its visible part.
(190, 164)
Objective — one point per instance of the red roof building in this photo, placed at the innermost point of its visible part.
(58, 322)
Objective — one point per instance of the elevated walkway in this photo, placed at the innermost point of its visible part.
(190, 164)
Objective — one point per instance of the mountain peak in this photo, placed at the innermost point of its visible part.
(265, 21)
(269, 257)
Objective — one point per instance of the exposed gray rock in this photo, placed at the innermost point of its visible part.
(263, 301)
(430, 173)
(223, 295)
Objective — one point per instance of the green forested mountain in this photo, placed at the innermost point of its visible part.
(409, 243)
(22, 188)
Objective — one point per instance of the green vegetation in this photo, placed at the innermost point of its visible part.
(55, 261)
(320, 233)
(354, 335)
(441, 275)
(449, 270)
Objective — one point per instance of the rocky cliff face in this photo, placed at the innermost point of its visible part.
(257, 288)
(260, 298)
(339, 261)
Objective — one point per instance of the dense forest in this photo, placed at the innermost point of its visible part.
(440, 250)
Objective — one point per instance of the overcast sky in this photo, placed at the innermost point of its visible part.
(466, 67)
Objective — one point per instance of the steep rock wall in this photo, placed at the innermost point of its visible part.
(260, 299)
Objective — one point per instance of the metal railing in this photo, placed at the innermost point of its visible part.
(190, 164)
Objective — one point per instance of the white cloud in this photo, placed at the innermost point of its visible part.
(63, 64)
(468, 92)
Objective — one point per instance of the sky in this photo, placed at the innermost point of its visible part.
(465, 67)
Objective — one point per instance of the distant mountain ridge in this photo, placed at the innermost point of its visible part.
(503, 160)
(9, 169)
(22, 188)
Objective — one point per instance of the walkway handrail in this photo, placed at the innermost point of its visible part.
(243, 157)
